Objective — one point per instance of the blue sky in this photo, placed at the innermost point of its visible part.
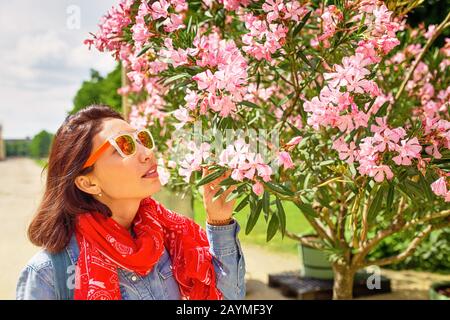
(43, 60)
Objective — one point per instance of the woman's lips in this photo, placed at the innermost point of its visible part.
(152, 173)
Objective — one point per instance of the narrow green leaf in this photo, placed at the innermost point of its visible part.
(272, 227)
(307, 209)
(266, 204)
(228, 182)
(301, 24)
(376, 203)
(279, 189)
(242, 204)
(144, 50)
(253, 218)
(232, 195)
(281, 217)
(426, 187)
(211, 177)
(176, 77)
(305, 59)
(249, 104)
(390, 197)
(218, 194)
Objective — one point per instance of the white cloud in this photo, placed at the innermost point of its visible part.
(43, 62)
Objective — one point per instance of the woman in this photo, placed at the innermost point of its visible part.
(98, 223)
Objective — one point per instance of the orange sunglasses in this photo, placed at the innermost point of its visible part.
(124, 143)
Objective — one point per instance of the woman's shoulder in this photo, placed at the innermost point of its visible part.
(40, 261)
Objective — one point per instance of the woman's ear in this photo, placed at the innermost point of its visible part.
(85, 183)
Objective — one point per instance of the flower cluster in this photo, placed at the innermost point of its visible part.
(268, 32)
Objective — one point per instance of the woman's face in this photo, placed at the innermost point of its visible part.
(122, 178)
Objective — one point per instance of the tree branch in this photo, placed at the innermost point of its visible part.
(396, 227)
(409, 251)
(444, 24)
(304, 240)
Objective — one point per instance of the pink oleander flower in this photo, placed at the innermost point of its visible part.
(295, 11)
(284, 158)
(389, 138)
(192, 161)
(381, 172)
(273, 7)
(408, 149)
(439, 187)
(180, 5)
(206, 81)
(163, 173)
(234, 155)
(182, 114)
(140, 32)
(258, 188)
(434, 150)
(382, 125)
(191, 99)
(256, 165)
(173, 23)
(430, 31)
(293, 142)
(346, 152)
(159, 9)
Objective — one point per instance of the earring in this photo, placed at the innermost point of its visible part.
(100, 194)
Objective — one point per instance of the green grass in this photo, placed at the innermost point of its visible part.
(295, 222)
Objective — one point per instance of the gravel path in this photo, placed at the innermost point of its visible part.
(20, 191)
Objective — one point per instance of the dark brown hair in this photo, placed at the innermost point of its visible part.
(54, 222)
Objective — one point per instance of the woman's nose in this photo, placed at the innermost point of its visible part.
(145, 154)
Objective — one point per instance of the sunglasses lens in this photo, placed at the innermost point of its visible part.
(146, 139)
(126, 144)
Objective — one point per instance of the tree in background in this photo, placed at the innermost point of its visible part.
(99, 90)
(17, 147)
(40, 144)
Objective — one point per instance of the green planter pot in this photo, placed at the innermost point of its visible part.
(435, 295)
(314, 263)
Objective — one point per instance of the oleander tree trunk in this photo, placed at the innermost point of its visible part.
(343, 281)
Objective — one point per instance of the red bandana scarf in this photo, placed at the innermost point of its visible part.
(105, 245)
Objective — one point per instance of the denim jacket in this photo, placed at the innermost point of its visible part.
(36, 280)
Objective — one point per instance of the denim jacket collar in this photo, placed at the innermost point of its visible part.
(72, 249)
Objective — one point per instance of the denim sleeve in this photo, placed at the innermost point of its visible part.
(35, 284)
(228, 259)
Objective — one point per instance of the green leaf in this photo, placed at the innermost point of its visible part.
(176, 77)
(307, 209)
(242, 204)
(228, 182)
(426, 187)
(218, 194)
(296, 131)
(144, 50)
(272, 228)
(305, 59)
(281, 216)
(390, 197)
(211, 177)
(232, 195)
(249, 104)
(301, 24)
(266, 204)
(413, 189)
(376, 203)
(253, 218)
(279, 189)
